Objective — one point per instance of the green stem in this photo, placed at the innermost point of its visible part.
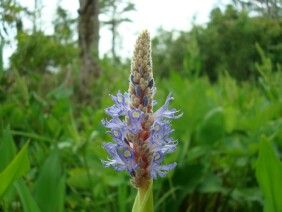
(144, 199)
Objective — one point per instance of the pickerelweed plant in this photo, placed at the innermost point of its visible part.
(142, 138)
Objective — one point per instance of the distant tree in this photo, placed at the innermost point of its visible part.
(11, 13)
(36, 15)
(225, 44)
(228, 43)
(177, 51)
(63, 26)
(115, 11)
(169, 51)
(88, 30)
(269, 8)
(37, 52)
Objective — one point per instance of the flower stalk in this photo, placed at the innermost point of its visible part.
(142, 137)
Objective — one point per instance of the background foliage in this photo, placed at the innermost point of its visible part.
(225, 77)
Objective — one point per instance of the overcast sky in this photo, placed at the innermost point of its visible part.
(149, 14)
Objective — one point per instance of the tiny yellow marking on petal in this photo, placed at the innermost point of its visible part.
(157, 127)
(116, 133)
(119, 99)
(135, 114)
(157, 156)
(127, 153)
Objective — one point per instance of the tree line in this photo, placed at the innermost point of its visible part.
(226, 44)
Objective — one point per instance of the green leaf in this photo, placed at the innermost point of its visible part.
(18, 167)
(144, 199)
(212, 128)
(187, 178)
(269, 176)
(50, 185)
(7, 149)
(27, 200)
(212, 184)
(122, 196)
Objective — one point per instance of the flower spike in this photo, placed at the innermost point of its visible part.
(142, 137)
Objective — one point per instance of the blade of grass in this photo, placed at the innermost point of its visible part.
(31, 135)
(122, 197)
(269, 176)
(165, 196)
(50, 186)
(27, 200)
(7, 148)
(18, 167)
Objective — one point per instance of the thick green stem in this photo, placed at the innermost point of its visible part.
(144, 199)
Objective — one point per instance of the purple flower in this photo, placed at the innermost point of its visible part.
(114, 123)
(121, 105)
(160, 142)
(123, 158)
(161, 170)
(165, 148)
(135, 117)
(141, 137)
(163, 112)
(118, 136)
(161, 132)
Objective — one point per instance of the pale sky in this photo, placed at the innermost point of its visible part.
(149, 14)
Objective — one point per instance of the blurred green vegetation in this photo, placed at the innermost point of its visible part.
(226, 43)
(225, 77)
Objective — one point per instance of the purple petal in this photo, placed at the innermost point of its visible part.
(160, 133)
(118, 136)
(114, 111)
(126, 154)
(161, 128)
(112, 150)
(117, 166)
(165, 148)
(121, 105)
(135, 117)
(118, 99)
(161, 170)
(123, 158)
(163, 112)
(158, 157)
(114, 123)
